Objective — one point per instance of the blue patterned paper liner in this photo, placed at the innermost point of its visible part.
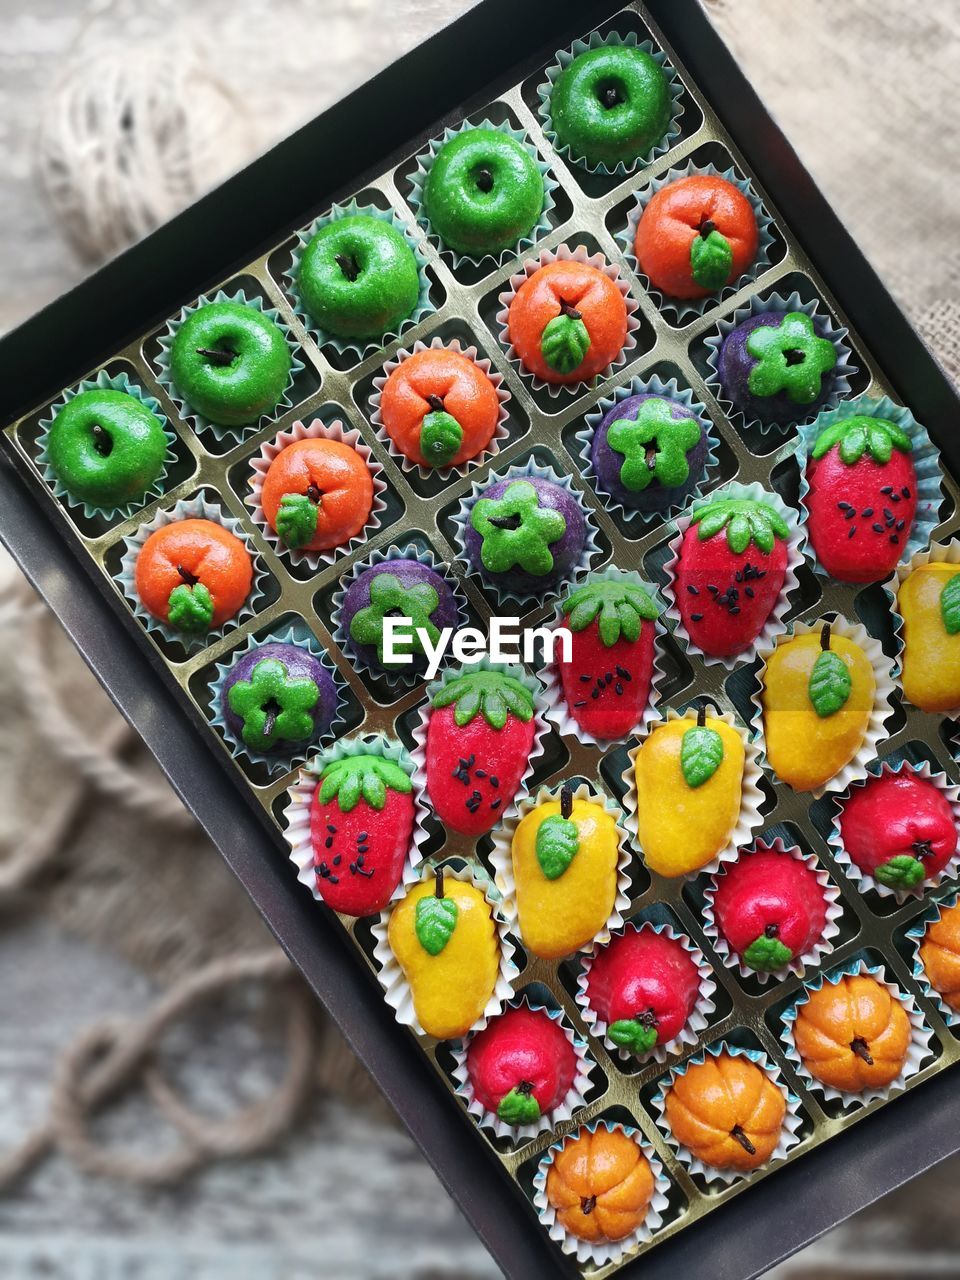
(916, 935)
(104, 382)
(165, 376)
(937, 553)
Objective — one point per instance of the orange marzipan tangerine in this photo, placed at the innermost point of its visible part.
(466, 392)
(340, 476)
(588, 291)
(207, 552)
(853, 1034)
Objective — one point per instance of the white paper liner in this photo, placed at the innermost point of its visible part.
(937, 553)
(195, 508)
(279, 761)
(825, 326)
(522, 472)
(862, 879)
(594, 41)
(540, 731)
(916, 935)
(795, 547)
(563, 1111)
(926, 463)
(556, 704)
(402, 675)
(103, 382)
(602, 1254)
(563, 253)
(501, 859)
(396, 989)
(653, 386)
(491, 449)
(917, 1054)
(683, 307)
(165, 375)
(792, 1120)
(361, 346)
(799, 964)
(425, 161)
(751, 797)
(874, 733)
(315, 430)
(296, 811)
(691, 1031)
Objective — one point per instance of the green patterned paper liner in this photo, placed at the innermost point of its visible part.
(360, 346)
(937, 553)
(165, 376)
(195, 508)
(425, 161)
(916, 934)
(594, 41)
(104, 382)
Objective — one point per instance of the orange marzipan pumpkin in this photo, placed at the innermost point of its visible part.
(853, 1034)
(940, 955)
(727, 1112)
(600, 1184)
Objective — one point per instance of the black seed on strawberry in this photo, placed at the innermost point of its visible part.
(618, 687)
(901, 525)
(712, 589)
(867, 512)
(844, 506)
(623, 673)
(608, 678)
(887, 489)
(694, 591)
(894, 539)
(877, 528)
(331, 828)
(337, 860)
(696, 617)
(905, 491)
(494, 782)
(595, 694)
(895, 497)
(853, 530)
(749, 592)
(328, 843)
(581, 703)
(585, 679)
(480, 773)
(495, 804)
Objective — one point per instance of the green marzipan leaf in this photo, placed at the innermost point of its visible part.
(767, 954)
(902, 872)
(632, 1035)
(701, 754)
(711, 260)
(744, 519)
(296, 520)
(950, 605)
(739, 533)
(861, 433)
(518, 1108)
(622, 606)
(492, 694)
(435, 923)
(351, 777)
(440, 438)
(190, 609)
(558, 840)
(564, 343)
(830, 684)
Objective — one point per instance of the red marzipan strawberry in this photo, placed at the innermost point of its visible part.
(644, 985)
(862, 499)
(521, 1065)
(479, 738)
(770, 908)
(898, 827)
(361, 823)
(733, 562)
(606, 683)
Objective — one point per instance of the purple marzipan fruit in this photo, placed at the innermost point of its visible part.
(608, 463)
(300, 664)
(735, 364)
(390, 599)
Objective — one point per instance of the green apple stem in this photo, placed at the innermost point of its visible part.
(348, 265)
(566, 802)
(102, 440)
(484, 179)
(739, 1136)
(862, 1050)
(825, 637)
(610, 97)
(224, 357)
(189, 578)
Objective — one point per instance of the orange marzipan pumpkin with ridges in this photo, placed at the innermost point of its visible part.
(189, 554)
(425, 387)
(567, 322)
(940, 955)
(600, 1185)
(727, 1112)
(853, 1034)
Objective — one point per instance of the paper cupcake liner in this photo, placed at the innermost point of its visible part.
(425, 161)
(556, 704)
(563, 253)
(936, 553)
(522, 471)
(925, 460)
(296, 811)
(774, 624)
(396, 989)
(602, 1253)
(404, 675)
(562, 1112)
(315, 430)
(195, 508)
(799, 964)
(916, 1055)
(483, 364)
(646, 386)
(103, 382)
(792, 1120)
(281, 761)
(861, 879)
(594, 41)
(683, 307)
(501, 859)
(165, 375)
(916, 935)
(541, 728)
(360, 346)
(825, 327)
(751, 797)
(697, 1022)
(874, 733)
